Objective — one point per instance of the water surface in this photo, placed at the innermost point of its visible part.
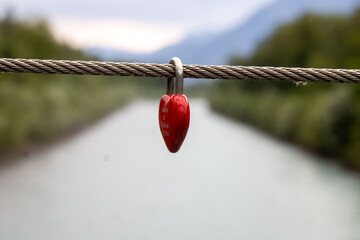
(116, 180)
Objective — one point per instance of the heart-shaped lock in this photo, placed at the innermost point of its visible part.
(174, 111)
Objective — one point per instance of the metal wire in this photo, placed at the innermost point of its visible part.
(190, 71)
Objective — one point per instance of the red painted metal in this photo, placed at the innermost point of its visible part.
(174, 120)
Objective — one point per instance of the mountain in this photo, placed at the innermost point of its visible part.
(241, 40)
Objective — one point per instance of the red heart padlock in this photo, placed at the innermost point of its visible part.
(174, 119)
(174, 111)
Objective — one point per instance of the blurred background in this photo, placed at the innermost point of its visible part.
(81, 157)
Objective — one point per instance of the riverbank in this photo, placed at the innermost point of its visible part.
(31, 148)
(321, 123)
(39, 110)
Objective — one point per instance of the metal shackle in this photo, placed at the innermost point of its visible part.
(179, 75)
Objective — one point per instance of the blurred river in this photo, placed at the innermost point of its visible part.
(116, 180)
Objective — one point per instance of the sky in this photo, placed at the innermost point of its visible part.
(141, 26)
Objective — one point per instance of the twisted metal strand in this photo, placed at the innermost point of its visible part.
(190, 71)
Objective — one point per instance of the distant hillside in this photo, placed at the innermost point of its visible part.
(241, 40)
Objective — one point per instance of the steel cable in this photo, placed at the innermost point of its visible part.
(190, 71)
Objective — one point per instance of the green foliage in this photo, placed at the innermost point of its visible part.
(323, 117)
(37, 107)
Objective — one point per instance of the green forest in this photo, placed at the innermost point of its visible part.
(38, 107)
(323, 117)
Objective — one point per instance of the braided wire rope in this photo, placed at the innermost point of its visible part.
(190, 71)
